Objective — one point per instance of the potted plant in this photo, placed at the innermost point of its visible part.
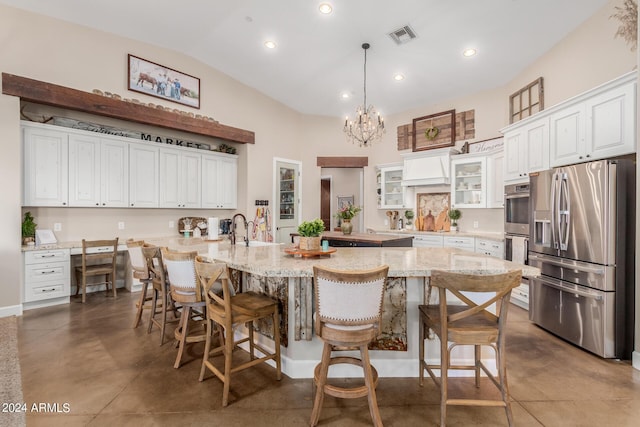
(455, 215)
(28, 229)
(310, 232)
(409, 215)
(346, 214)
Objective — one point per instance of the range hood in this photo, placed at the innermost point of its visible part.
(427, 168)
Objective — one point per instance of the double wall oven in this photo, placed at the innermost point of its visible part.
(516, 227)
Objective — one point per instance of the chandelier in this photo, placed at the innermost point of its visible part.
(368, 125)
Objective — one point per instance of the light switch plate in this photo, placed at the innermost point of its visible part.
(57, 226)
(475, 224)
(121, 225)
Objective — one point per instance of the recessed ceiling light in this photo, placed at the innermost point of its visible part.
(345, 95)
(270, 44)
(398, 77)
(325, 8)
(469, 52)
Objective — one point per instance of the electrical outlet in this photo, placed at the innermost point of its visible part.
(386, 222)
(57, 226)
(172, 224)
(475, 224)
(121, 225)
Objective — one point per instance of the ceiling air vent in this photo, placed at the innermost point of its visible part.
(403, 35)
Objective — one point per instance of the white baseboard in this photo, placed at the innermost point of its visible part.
(45, 303)
(635, 360)
(11, 310)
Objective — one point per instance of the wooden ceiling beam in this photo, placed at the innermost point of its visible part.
(59, 96)
(343, 162)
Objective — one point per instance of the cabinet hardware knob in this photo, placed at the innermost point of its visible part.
(580, 157)
(97, 204)
(588, 155)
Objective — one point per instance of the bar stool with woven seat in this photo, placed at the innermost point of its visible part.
(227, 310)
(98, 259)
(465, 322)
(186, 291)
(140, 271)
(160, 300)
(343, 325)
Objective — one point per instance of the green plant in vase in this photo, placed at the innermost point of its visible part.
(28, 229)
(310, 232)
(409, 215)
(455, 215)
(345, 215)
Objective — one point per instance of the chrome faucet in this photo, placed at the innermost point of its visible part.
(232, 232)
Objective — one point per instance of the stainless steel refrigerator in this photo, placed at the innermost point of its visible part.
(582, 238)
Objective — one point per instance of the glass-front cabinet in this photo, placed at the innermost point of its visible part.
(287, 193)
(390, 190)
(469, 182)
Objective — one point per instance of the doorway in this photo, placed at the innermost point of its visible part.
(287, 197)
(325, 201)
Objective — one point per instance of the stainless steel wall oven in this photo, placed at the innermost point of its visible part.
(516, 209)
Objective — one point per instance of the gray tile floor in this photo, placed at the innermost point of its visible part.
(89, 357)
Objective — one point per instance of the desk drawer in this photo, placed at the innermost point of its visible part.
(39, 273)
(46, 291)
(46, 256)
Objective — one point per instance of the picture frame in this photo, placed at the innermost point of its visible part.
(344, 201)
(434, 131)
(432, 212)
(162, 82)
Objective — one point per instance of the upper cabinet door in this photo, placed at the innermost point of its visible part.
(143, 176)
(469, 182)
(84, 170)
(611, 129)
(45, 167)
(537, 146)
(567, 135)
(219, 182)
(114, 173)
(171, 194)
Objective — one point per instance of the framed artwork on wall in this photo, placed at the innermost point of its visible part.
(163, 82)
(434, 131)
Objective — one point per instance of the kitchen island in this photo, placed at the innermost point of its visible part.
(340, 240)
(268, 269)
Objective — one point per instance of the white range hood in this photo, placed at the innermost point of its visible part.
(430, 167)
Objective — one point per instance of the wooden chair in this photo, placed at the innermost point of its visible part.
(185, 290)
(345, 325)
(228, 309)
(160, 300)
(98, 258)
(140, 271)
(464, 322)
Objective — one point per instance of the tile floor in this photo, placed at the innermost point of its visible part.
(112, 375)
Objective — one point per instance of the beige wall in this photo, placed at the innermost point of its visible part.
(75, 56)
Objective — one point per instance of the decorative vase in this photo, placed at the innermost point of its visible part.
(310, 243)
(346, 227)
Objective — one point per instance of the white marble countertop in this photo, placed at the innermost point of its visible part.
(272, 261)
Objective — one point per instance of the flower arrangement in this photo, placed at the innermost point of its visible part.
(348, 211)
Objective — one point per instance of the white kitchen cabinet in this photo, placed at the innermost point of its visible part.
(98, 171)
(526, 150)
(45, 166)
(143, 176)
(598, 127)
(46, 276)
(462, 242)
(392, 193)
(490, 247)
(180, 179)
(428, 241)
(469, 181)
(495, 180)
(219, 181)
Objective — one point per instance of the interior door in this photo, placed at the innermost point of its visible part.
(287, 199)
(325, 202)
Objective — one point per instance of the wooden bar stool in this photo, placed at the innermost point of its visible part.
(467, 323)
(186, 291)
(98, 259)
(343, 325)
(160, 300)
(228, 309)
(140, 271)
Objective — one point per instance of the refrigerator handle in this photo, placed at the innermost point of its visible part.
(565, 197)
(552, 205)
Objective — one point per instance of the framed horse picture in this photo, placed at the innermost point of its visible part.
(163, 82)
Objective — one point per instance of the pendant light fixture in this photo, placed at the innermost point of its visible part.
(367, 125)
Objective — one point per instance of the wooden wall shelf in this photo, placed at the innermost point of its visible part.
(59, 96)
